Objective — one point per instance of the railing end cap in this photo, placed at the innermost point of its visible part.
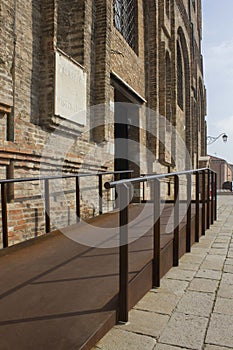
(107, 185)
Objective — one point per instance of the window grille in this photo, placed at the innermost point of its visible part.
(125, 12)
(180, 78)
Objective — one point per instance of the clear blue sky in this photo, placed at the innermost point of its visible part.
(217, 48)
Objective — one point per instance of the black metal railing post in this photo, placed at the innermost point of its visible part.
(215, 197)
(176, 222)
(197, 211)
(203, 221)
(212, 197)
(4, 215)
(208, 199)
(47, 206)
(100, 176)
(156, 233)
(189, 213)
(77, 199)
(123, 194)
(143, 192)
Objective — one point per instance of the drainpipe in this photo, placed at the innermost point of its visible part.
(11, 116)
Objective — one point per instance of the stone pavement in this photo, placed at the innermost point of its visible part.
(193, 308)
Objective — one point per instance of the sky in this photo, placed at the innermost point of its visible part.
(217, 49)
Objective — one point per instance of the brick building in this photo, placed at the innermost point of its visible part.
(223, 171)
(60, 56)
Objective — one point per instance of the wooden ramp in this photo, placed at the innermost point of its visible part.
(58, 294)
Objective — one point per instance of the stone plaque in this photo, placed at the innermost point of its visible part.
(70, 90)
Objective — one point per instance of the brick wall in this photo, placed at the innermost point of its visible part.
(30, 33)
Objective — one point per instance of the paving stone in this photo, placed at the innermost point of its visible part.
(216, 265)
(122, 340)
(194, 303)
(168, 347)
(226, 234)
(144, 322)
(206, 244)
(220, 331)
(199, 251)
(219, 245)
(214, 347)
(203, 285)
(228, 268)
(163, 303)
(230, 254)
(172, 286)
(196, 250)
(227, 278)
(219, 251)
(180, 274)
(215, 258)
(224, 306)
(186, 331)
(222, 240)
(209, 236)
(214, 261)
(210, 274)
(188, 266)
(225, 291)
(191, 258)
(229, 261)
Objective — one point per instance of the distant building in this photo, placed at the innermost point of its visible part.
(223, 170)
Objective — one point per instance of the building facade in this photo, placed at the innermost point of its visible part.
(59, 58)
(223, 171)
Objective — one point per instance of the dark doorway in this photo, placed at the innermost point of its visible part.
(126, 134)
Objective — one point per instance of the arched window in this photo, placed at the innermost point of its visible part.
(125, 20)
(180, 78)
(201, 106)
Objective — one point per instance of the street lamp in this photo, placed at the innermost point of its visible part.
(211, 139)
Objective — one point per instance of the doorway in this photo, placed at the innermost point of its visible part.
(126, 134)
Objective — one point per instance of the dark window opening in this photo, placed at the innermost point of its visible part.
(10, 128)
(180, 78)
(192, 39)
(168, 8)
(125, 20)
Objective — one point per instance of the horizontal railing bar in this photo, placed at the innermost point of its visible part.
(27, 179)
(112, 184)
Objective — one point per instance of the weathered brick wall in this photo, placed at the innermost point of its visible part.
(70, 31)
(7, 38)
(30, 33)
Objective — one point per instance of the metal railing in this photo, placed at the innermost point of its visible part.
(46, 179)
(208, 202)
